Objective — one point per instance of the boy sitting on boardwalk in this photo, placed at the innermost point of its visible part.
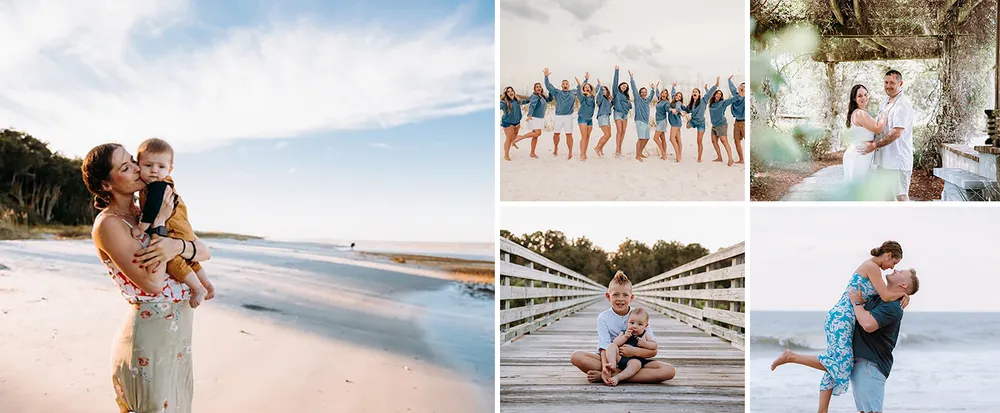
(612, 323)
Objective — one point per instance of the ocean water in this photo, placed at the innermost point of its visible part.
(944, 362)
(458, 324)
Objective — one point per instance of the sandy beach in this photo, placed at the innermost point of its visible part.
(551, 178)
(294, 327)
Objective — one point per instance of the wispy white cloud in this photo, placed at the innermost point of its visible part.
(75, 76)
(280, 145)
(382, 145)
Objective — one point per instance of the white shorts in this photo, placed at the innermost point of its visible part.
(563, 124)
(898, 179)
(536, 123)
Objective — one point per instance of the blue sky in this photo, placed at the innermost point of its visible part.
(298, 120)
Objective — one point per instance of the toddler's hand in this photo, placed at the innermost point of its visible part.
(136, 233)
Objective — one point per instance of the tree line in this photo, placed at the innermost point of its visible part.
(636, 259)
(38, 186)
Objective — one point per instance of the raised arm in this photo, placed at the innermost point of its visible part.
(614, 89)
(635, 90)
(708, 95)
(732, 88)
(874, 274)
(552, 89)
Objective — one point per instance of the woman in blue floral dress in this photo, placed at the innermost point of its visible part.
(838, 360)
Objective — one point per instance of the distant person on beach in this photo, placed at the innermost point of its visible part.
(151, 355)
(720, 126)
(634, 335)
(536, 117)
(739, 117)
(894, 149)
(604, 102)
(587, 97)
(696, 120)
(622, 105)
(675, 117)
(565, 100)
(352, 246)
(156, 163)
(510, 106)
(641, 116)
(839, 360)
(612, 323)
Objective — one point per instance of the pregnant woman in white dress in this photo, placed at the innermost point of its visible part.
(862, 128)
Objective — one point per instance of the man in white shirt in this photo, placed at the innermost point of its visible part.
(894, 158)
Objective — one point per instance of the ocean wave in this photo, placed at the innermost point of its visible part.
(804, 342)
(817, 341)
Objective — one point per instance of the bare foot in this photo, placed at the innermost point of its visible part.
(594, 376)
(730, 163)
(739, 162)
(785, 357)
(197, 296)
(699, 160)
(534, 156)
(555, 153)
(583, 157)
(506, 158)
(607, 372)
(209, 287)
(717, 160)
(613, 381)
(638, 158)
(514, 144)
(570, 156)
(664, 157)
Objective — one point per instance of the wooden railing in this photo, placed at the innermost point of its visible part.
(535, 291)
(707, 293)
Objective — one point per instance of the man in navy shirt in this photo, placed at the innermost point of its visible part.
(875, 335)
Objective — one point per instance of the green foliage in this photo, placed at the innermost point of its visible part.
(812, 140)
(636, 259)
(38, 186)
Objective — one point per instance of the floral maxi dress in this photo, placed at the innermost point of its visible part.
(151, 367)
(839, 356)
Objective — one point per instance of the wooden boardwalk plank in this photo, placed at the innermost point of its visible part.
(536, 375)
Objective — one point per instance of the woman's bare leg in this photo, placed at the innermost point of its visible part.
(510, 133)
(555, 144)
(619, 136)
(517, 129)
(661, 142)
(534, 143)
(631, 368)
(808, 360)
(788, 356)
(584, 140)
(675, 140)
(605, 137)
(715, 144)
(824, 400)
(700, 146)
(729, 152)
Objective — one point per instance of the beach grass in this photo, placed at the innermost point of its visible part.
(468, 270)
(226, 235)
